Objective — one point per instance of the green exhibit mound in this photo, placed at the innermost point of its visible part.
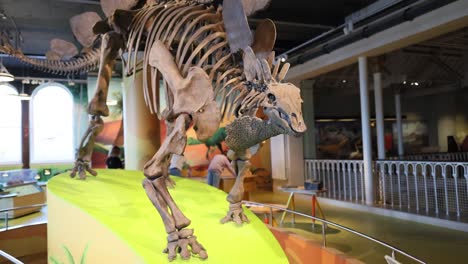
(101, 217)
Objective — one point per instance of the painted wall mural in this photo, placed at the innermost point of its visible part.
(338, 140)
(415, 136)
(342, 139)
(112, 134)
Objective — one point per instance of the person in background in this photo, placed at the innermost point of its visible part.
(216, 167)
(177, 165)
(114, 161)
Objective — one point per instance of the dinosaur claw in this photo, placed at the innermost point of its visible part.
(80, 168)
(236, 215)
(184, 243)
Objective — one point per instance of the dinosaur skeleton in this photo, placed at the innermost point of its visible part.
(81, 63)
(211, 67)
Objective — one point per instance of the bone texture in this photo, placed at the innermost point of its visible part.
(82, 27)
(64, 49)
(237, 27)
(252, 6)
(81, 63)
(109, 6)
(264, 40)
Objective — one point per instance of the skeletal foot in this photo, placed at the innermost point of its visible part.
(170, 182)
(81, 167)
(180, 241)
(235, 214)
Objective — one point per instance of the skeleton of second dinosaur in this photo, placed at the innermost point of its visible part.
(201, 53)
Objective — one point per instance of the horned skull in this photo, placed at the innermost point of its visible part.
(281, 102)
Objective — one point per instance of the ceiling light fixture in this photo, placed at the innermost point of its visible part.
(5, 76)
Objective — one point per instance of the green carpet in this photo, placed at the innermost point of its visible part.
(116, 199)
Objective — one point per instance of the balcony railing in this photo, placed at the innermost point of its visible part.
(342, 178)
(436, 156)
(434, 187)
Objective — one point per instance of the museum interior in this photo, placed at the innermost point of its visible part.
(233, 131)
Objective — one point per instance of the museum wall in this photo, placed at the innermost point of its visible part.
(441, 114)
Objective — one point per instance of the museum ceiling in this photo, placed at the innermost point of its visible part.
(297, 21)
(430, 67)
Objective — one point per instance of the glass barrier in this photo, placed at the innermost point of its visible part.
(17, 177)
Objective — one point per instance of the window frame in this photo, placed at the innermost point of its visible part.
(20, 128)
(32, 154)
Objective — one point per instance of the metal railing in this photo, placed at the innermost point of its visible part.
(433, 187)
(436, 156)
(343, 179)
(10, 257)
(17, 208)
(325, 223)
(430, 187)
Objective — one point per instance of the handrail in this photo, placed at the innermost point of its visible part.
(22, 207)
(18, 208)
(326, 222)
(10, 257)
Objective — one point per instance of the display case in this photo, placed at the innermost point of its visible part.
(20, 188)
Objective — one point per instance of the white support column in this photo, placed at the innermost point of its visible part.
(307, 92)
(142, 131)
(399, 124)
(366, 134)
(379, 116)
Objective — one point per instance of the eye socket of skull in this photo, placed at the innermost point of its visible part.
(206, 120)
(271, 98)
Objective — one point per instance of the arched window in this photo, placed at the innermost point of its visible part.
(10, 125)
(51, 124)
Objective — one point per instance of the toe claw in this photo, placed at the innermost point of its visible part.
(80, 168)
(171, 248)
(203, 254)
(226, 219)
(237, 219)
(184, 253)
(245, 218)
(184, 243)
(236, 215)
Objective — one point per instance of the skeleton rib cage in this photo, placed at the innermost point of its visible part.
(195, 35)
